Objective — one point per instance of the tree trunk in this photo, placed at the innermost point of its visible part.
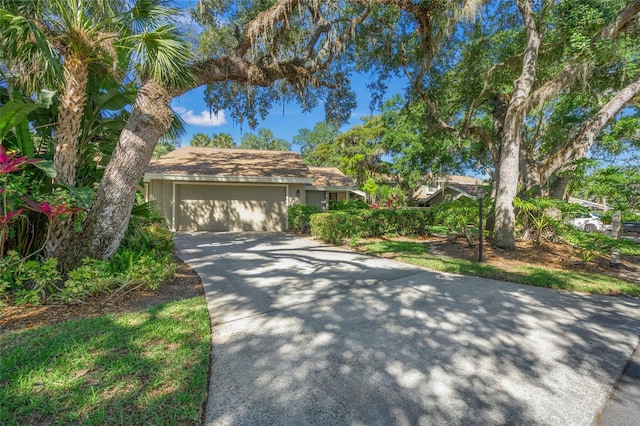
(65, 156)
(529, 173)
(70, 113)
(507, 184)
(558, 186)
(109, 216)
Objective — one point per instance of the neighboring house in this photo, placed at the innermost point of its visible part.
(213, 189)
(447, 189)
(330, 184)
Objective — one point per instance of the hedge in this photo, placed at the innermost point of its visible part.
(298, 216)
(334, 227)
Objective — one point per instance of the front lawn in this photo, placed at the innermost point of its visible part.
(148, 367)
(539, 271)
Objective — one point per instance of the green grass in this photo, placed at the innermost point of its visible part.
(140, 368)
(439, 229)
(416, 253)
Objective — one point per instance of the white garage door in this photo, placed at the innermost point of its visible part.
(231, 208)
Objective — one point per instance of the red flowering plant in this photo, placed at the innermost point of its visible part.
(9, 162)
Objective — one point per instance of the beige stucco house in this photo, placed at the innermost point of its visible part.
(330, 184)
(212, 189)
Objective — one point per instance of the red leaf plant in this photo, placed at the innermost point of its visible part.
(11, 162)
(47, 209)
(5, 219)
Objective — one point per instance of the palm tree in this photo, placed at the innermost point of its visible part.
(59, 43)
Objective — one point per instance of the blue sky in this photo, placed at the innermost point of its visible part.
(284, 123)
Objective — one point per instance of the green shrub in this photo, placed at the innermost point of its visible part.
(30, 281)
(334, 227)
(349, 205)
(126, 271)
(299, 216)
(93, 277)
(144, 260)
(145, 235)
(149, 271)
(8, 267)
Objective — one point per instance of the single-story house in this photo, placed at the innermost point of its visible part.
(451, 192)
(217, 189)
(447, 189)
(330, 184)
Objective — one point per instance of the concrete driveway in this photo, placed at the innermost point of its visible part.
(308, 334)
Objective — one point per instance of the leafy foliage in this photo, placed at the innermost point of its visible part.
(536, 214)
(264, 139)
(217, 140)
(620, 185)
(299, 216)
(162, 148)
(458, 216)
(334, 227)
(314, 144)
(349, 205)
(145, 260)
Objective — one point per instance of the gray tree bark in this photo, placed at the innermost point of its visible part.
(507, 184)
(558, 186)
(108, 218)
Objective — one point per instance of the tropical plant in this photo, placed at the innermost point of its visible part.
(217, 140)
(536, 216)
(76, 44)
(458, 216)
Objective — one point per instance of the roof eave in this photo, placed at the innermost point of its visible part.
(332, 188)
(230, 179)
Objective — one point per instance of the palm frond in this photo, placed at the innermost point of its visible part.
(162, 56)
(178, 127)
(27, 52)
(145, 14)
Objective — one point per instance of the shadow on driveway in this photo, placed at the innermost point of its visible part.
(305, 333)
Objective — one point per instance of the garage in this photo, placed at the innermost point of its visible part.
(211, 207)
(226, 189)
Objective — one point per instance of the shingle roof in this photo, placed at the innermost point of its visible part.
(330, 177)
(461, 183)
(193, 160)
(465, 190)
(469, 189)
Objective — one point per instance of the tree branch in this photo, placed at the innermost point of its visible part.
(279, 12)
(579, 145)
(570, 72)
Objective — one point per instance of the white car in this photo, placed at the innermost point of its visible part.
(590, 222)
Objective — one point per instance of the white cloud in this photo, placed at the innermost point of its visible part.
(204, 118)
